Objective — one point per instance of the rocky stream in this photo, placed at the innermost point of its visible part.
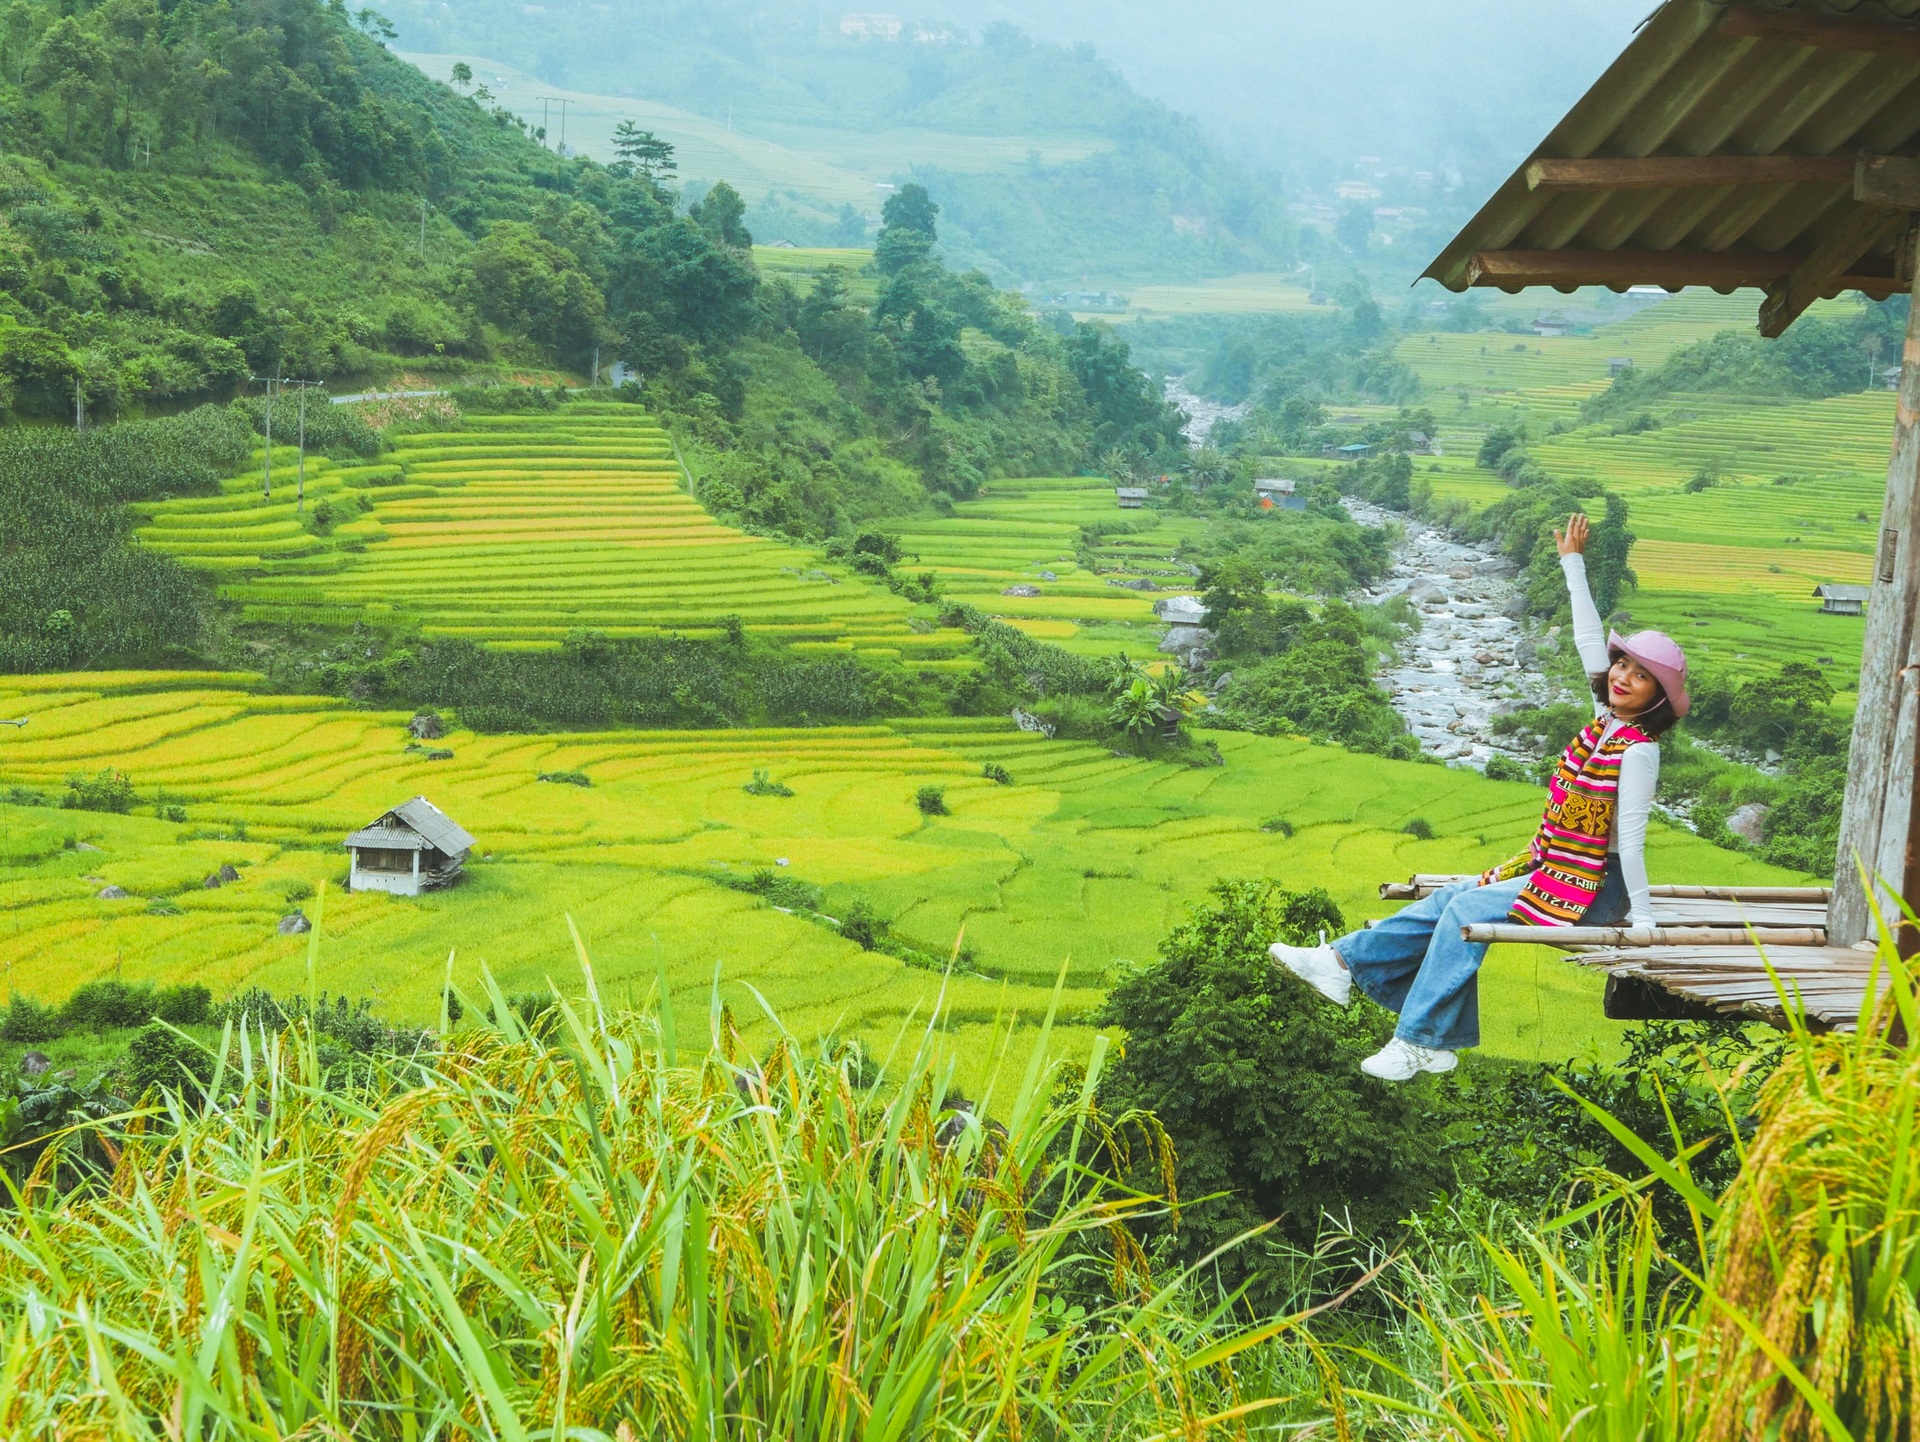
(1472, 657)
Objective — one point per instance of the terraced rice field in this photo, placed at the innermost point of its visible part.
(1086, 858)
(518, 529)
(1028, 532)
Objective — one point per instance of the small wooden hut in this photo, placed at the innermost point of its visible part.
(1772, 145)
(1131, 498)
(1841, 600)
(413, 848)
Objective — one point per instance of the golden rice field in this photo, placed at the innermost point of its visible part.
(1086, 859)
(518, 529)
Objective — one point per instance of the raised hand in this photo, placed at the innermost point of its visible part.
(1573, 540)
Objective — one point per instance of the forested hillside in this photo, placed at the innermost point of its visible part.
(1156, 197)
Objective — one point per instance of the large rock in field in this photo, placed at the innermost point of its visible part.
(294, 922)
(112, 893)
(427, 726)
(1749, 822)
(1023, 589)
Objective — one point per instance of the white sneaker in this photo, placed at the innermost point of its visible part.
(1318, 967)
(1403, 1061)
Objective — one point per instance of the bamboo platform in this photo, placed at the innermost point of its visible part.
(1709, 951)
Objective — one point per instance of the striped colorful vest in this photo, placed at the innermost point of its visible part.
(1567, 859)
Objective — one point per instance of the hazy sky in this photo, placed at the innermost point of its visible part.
(1301, 83)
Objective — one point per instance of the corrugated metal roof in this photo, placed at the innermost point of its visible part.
(419, 824)
(389, 838)
(1720, 78)
(1832, 592)
(434, 824)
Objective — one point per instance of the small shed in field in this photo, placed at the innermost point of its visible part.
(1131, 498)
(1839, 600)
(413, 848)
(1357, 450)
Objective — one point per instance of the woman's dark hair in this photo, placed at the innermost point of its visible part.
(1657, 720)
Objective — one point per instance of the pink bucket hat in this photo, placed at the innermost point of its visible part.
(1663, 659)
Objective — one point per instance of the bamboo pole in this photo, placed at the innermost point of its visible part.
(1491, 933)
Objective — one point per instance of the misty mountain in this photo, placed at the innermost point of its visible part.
(1148, 192)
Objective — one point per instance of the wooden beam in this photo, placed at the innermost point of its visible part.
(1892, 181)
(1491, 933)
(1671, 269)
(1829, 32)
(1861, 228)
(1821, 894)
(1670, 172)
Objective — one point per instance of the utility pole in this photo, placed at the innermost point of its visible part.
(563, 102)
(79, 405)
(266, 476)
(300, 503)
(596, 367)
(423, 227)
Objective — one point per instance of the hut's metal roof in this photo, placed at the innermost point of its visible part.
(389, 838)
(1830, 591)
(419, 824)
(1131, 493)
(1780, 99)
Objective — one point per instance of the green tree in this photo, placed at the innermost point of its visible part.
(462, 74)
(649, 157)
(529, 285)
(1257, 1082)
(907, 233)
(722, 214)
(69, 63)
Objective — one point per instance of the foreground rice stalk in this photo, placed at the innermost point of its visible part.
(1583, 1344)
(588, 1236)
(1812, 1326)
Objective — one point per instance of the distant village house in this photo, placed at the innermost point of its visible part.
(870, 25)
(1841, 600)
(413, 848)
(1354, 451)
(1131, 498)
(1280, 493)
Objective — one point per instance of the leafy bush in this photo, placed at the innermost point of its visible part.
(996, 773)
(764, 785)
(160, 1059)
(27, 1020)
(1278, 824)
(183, 1004)
(105, 790)
(1419, 827)
(108, 1003)
(1506, 768)
(567, 778)
(864, 925)
(932, 801)
(1256, 1080)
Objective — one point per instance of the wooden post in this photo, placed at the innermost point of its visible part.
(1879, 804)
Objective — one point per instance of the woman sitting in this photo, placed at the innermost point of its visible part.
(1587, 863)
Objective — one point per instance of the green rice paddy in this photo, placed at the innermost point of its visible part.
(1085, 860)
(1028, 532)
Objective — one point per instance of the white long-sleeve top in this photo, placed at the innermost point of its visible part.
(1639, 768)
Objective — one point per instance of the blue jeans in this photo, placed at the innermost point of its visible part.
(1415, 963)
